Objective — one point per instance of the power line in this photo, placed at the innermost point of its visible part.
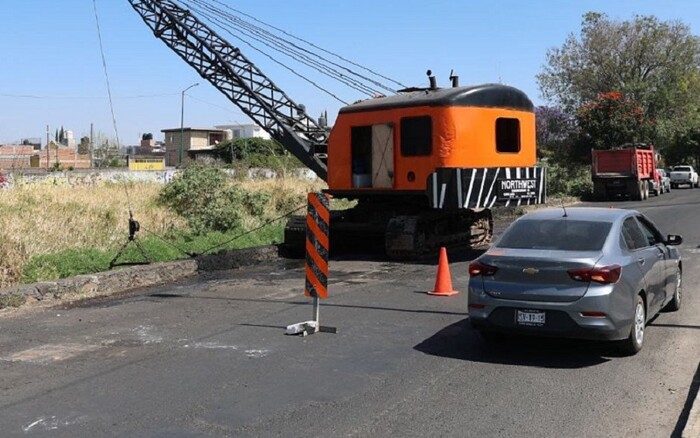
(34, 96)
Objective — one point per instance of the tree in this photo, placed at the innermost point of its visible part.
(245, 148)
(655, 63)
(613, 119)
(685, 149)
(555, 130)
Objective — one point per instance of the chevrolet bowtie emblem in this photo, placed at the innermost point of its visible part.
(531, 271)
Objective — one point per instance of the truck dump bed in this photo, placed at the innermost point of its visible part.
(632, 163)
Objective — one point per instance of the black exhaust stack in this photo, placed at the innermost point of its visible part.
(454, 79)
(433, 81)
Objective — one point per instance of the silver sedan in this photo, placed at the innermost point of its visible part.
(590, 273)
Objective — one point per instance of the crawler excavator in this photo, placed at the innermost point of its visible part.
(425, 165)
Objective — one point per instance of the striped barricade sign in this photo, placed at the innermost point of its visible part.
(317, 245)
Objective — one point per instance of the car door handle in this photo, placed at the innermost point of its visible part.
(641, 261)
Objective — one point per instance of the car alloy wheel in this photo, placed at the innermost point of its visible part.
(634, 342)
(639, 320)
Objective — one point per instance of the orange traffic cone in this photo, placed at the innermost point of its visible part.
(443, 282)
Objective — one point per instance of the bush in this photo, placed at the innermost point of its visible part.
(568, 181)
(210, 201)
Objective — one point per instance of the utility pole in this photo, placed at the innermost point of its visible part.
(92, 142)
(182, 125)
(48, 158)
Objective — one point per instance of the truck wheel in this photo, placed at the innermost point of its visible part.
(645, 190)
(599, 191)
(636, 191)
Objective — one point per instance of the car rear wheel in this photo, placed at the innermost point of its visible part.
(633, 344)
(675, 303)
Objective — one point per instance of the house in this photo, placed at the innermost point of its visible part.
(245, 131)
(65, 158)
(15, 156)
(187, 144)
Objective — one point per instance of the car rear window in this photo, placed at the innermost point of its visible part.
(555, 234)
(681, 169)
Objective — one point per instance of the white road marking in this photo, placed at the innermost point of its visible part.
(47, 353)
(53, 422)
(145, 335)
(256, 353)
(211, 346)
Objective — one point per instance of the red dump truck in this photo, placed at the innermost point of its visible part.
(626, 171)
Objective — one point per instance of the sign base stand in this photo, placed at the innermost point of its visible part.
(310, 327)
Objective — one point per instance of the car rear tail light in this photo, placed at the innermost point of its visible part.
(477, 268)
(476, 306)
(593, 314)
(604, 275)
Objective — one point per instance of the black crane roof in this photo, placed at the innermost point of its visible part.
(486, 95)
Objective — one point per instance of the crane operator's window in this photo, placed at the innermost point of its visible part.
(361, 144)
(416, 136)
(507, 135)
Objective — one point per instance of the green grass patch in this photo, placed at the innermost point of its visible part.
(72, 262)
(12, 300)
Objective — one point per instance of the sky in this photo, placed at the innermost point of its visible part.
(52, 72)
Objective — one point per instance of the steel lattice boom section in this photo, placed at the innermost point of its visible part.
(238, 79)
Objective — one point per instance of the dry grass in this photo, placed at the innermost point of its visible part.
(40, 219)
(43, 219)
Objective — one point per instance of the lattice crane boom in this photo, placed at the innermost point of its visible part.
(227, 69)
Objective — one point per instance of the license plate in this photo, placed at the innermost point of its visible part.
(530, 317)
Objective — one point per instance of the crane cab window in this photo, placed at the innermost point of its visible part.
(507, 135)
(361, 145)
(416, 136)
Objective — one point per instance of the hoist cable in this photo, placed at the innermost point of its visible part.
(310, 44)
(222, 24)
(296, 73)
(279, 47)
(292, 47)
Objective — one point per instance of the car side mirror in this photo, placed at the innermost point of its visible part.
(674, 239)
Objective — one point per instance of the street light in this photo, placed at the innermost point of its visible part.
(182, 124)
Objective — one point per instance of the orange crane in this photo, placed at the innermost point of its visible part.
(426, 165)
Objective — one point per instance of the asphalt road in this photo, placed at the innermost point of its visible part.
(209, 357)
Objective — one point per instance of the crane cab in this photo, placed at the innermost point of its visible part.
(396, 143)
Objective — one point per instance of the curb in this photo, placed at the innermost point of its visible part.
(110, 282)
